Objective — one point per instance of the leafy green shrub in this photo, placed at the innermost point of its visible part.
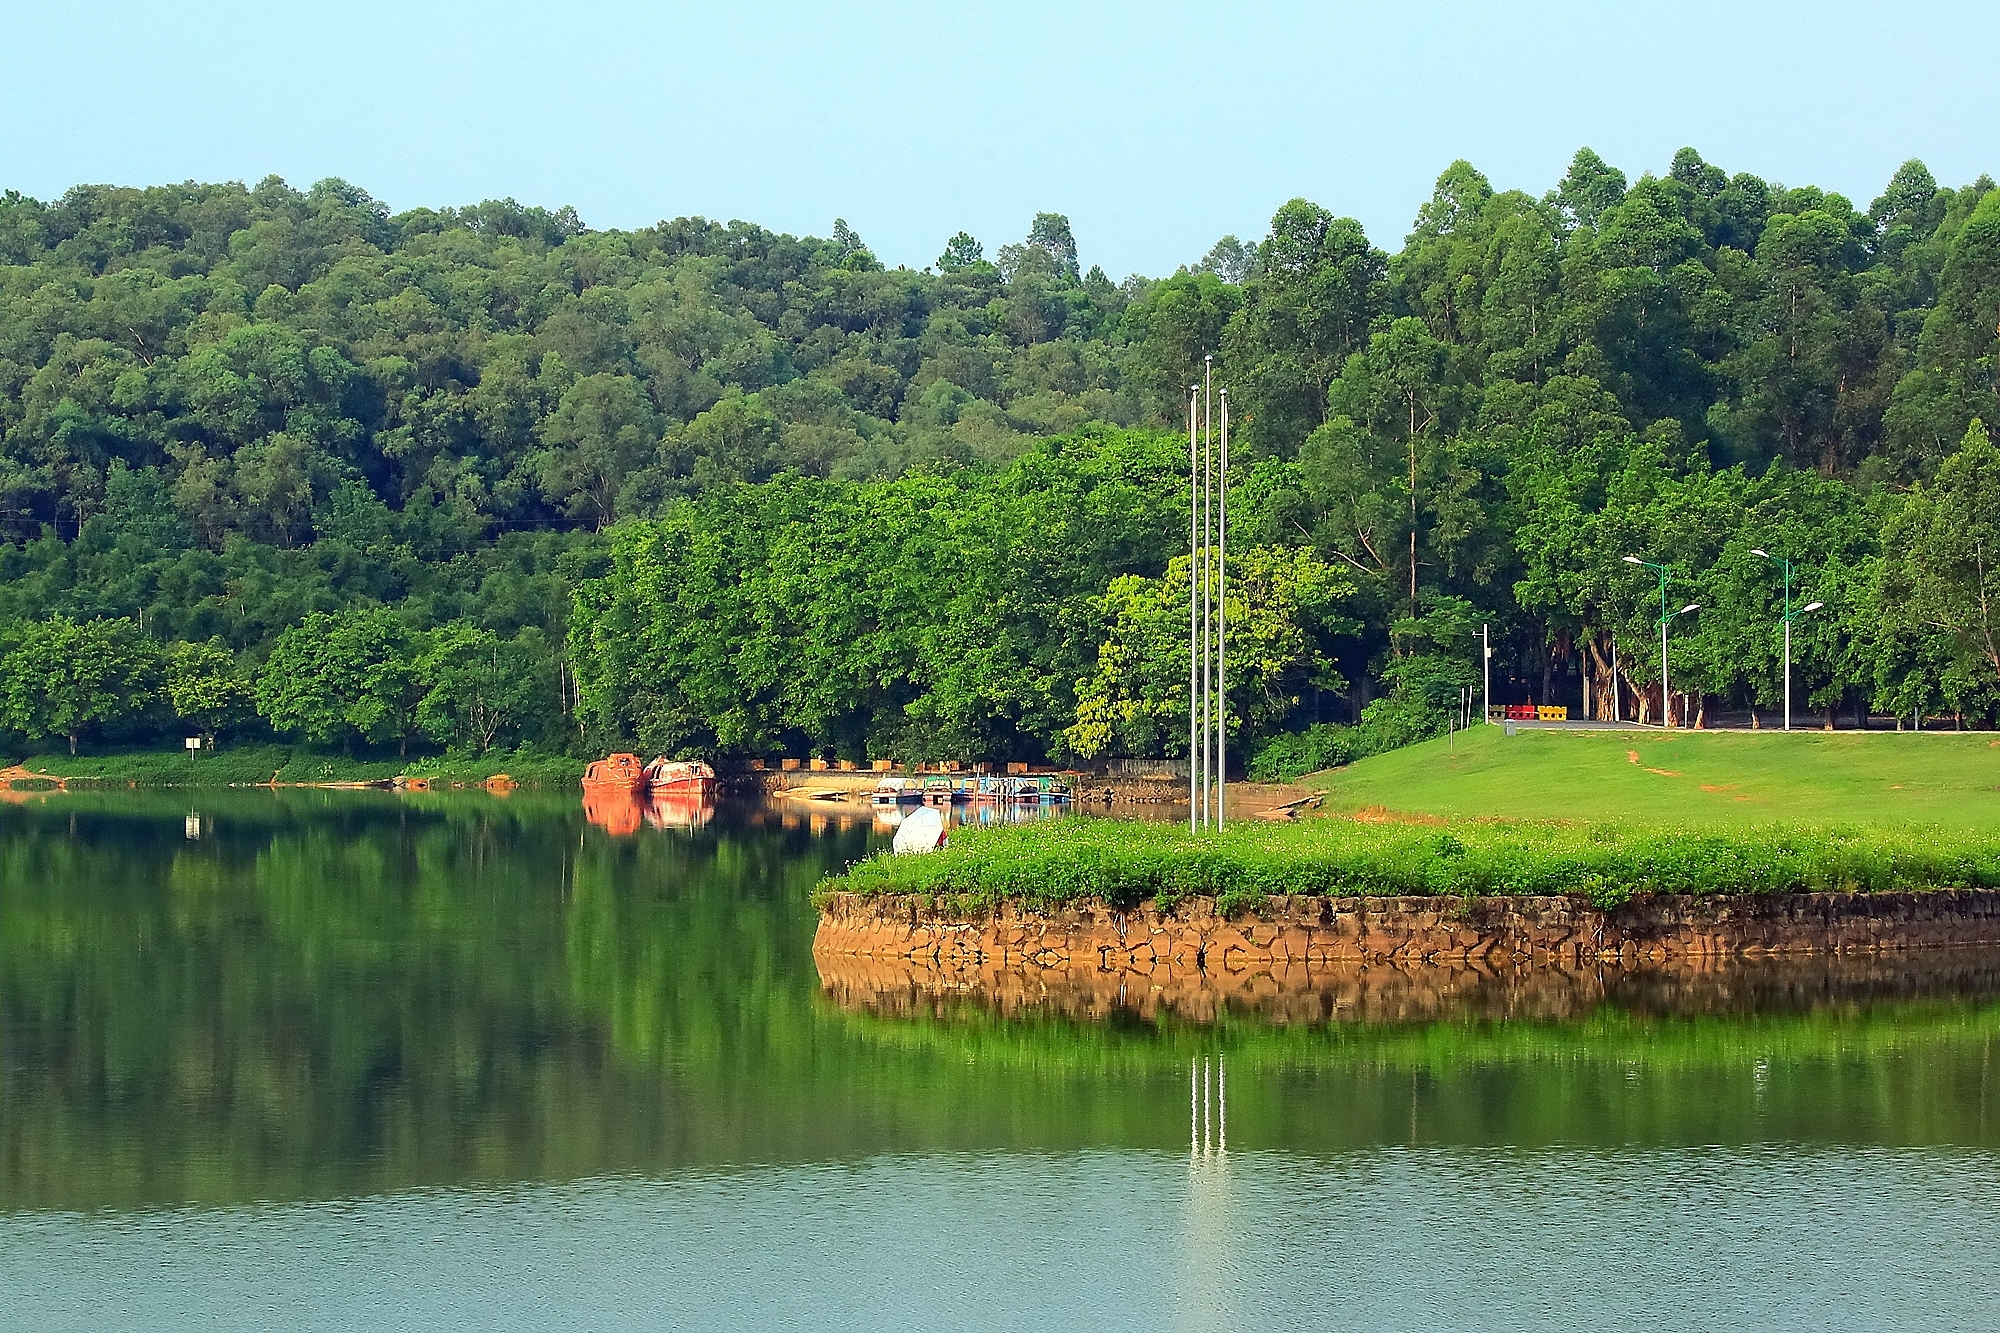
(1290, 755)
(1396, 720)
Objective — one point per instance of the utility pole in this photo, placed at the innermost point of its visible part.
(1486, 674)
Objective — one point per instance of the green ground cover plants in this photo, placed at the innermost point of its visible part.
(1048, 865)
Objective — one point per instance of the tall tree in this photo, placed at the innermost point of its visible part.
(343, 679)
(68, 678)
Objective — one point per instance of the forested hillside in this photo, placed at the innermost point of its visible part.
(274, 461)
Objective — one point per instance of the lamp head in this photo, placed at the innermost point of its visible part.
(1634, 560)
(1812, 606)
(1765, 554)
(1691, 606)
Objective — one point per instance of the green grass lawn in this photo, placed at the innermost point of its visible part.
(1883, 779)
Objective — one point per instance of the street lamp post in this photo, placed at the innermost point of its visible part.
(1666, 694)
(1486, 674)
(1790, 615)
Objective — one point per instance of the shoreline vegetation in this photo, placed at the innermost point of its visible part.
(1050, 866)
(286, 765)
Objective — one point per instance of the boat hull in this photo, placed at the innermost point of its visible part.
(617, 773)
(695, 786)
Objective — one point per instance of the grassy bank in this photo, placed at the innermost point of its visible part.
(1710, 779)
(1050, 864)
(288, 764)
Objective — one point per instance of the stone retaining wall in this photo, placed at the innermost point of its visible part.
(1396, 959)
(1308, 932)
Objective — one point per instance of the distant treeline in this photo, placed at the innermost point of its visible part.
(801, 501)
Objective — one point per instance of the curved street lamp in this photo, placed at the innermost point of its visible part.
(1666, 694)
(1790, 616)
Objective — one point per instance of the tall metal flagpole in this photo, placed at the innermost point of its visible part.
(1207, 574)
(1194, 615)
(1221, 616)
(1208, 519)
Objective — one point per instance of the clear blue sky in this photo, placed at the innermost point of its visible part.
(1155, 127)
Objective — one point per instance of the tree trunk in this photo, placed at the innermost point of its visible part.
(72, 745)
(1413, 511)
(1604, 699)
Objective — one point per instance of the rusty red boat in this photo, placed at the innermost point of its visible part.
(618, 772)
(662, 777)
(680, 777)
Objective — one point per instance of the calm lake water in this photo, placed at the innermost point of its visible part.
(345, 1061)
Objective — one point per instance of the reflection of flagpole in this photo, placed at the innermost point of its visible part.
(1194, 1103)
(1208, 1105)
(1212, 1243)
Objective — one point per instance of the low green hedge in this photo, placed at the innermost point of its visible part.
(1054, 862)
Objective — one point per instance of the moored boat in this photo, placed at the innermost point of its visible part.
(1040, 788)
(618, 772)
(689, 777)
(939, 791)
(897, 791)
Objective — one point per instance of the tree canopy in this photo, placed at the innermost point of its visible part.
(796, 497)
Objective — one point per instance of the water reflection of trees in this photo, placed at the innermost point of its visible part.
(336, 993)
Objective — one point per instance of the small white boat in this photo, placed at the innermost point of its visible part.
(921, 831)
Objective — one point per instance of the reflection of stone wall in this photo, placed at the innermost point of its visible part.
(1389, 958)
(1397, 992)
(1306, 931)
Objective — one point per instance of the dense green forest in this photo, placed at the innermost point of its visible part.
(282, 462)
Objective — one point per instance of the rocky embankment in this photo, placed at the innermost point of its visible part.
(1392, 958)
